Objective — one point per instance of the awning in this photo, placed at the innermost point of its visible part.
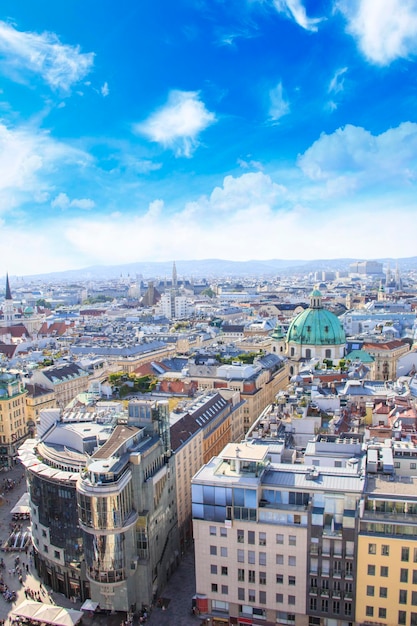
(22, 506)
(89, 605)
(47, 613)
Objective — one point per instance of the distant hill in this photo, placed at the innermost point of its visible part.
(210, 268)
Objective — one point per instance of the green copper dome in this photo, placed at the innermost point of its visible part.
(316, 326)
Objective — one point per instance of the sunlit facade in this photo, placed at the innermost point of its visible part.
(103, 501)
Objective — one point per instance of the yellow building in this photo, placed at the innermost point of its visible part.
(386, 584)
(13, 421)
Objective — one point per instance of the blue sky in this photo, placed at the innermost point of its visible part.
(234, 129)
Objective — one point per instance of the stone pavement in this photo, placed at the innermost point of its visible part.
(177, 597)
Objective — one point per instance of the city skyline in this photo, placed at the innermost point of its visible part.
(241, 130)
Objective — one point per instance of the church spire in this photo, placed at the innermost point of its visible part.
(8, 290)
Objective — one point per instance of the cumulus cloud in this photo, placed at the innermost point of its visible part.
(178, 124)
(384, 31)
(296, 11)
(60, 65)
(278, 106)
(28, 157)
(249, 216)
(62, 201)
(362, 158)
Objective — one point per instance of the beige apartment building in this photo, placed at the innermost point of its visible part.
(258, 384)
(198, 435)
(37, 399)
(386, 355)
(66, 381)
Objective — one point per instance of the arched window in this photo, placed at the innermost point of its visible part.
(328, 354)
(292, 351)
(308, 353)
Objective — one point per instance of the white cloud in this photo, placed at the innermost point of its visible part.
(105, 90)
(28, 157)
(178, 124)
(279, 106)
(384, 31)
(62, 201)
(355, 155)
(296, 10)
(249, 216)
(60, 65)
(337, 83)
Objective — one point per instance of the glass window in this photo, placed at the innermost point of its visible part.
(292, 561)
(251, 556)
(371, 548)
(262, 597)
(279, 597)
(402, 618)
(280, 579)
(251, 537)
(240, 536)
(371, 570)
(213, 550)
(383, 592)
(213, 569)
(223, 551)
(241, 576)
(413, 619)
(291, 599)
(279, 559)
(214, 587)
(279, 538)
(414, 598)
(403, 575)
(385, 550)
(223, 532)
(251, 595)
(292, 540)
(224, 570)
(402, 596)
(212, 530)
(240, 556)
(262, 539)
(291, 580)
(384, 571)
(262, 558)
(414, 576)
(370, 590)
(241, 593)
(262, 578)
(251, 575)
(382, 613)
(405, 554)
(225, 589)
(369, 611)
